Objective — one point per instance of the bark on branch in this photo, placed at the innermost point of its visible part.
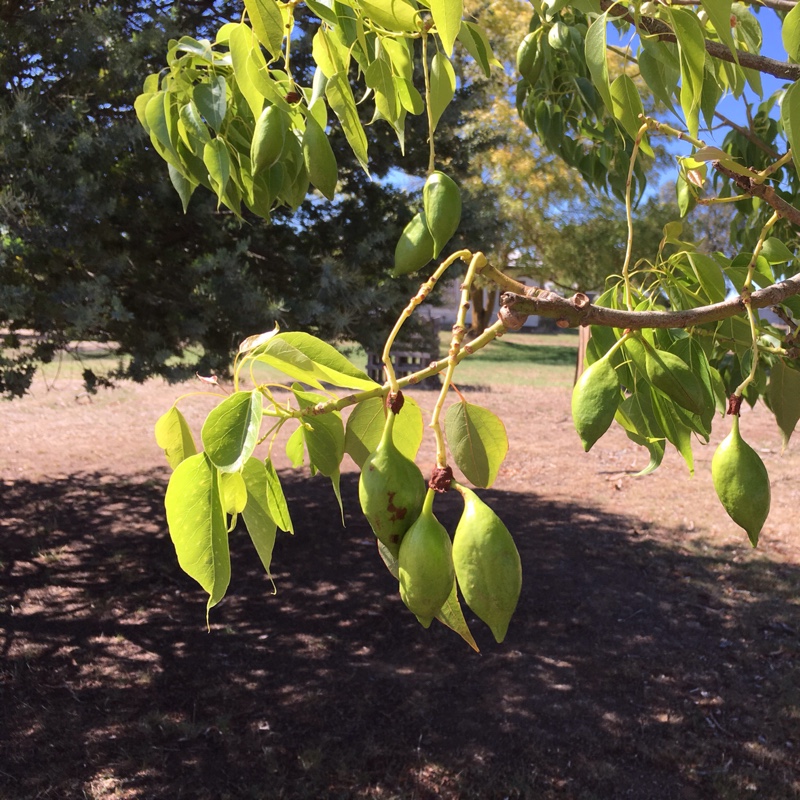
(763, 191)
(662, 31)
(579, 310)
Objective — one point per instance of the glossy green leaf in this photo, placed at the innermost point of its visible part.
(230, 432)
(197, 525)
(365, 426)
(174, 437)
(447, 18)
(211, 101)
(241, 43)
(218, 163)
(627, 108)
(378, 76)
(276, 500)
(691, 46)
(296, 448)
(267, 21)
(257, 518)
(320, 160)
(322, 10)
(674, 429)
(323, 434)
(477, 440)
(776, 252)
(790, 117)
(394, 15)
(595, 52)
(662, 80)
(340, 98)
(233, 492)
(719, 12)
(783, 393)
(474, 39)
(182, 185)
(451, 615)
(790, 33)
(443, 86)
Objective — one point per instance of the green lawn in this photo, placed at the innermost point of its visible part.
(520, 359)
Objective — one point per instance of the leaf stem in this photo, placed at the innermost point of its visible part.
(429, 110)
(629, 215)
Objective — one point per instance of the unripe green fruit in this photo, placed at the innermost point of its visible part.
(391, 490)
(526, 55)
(487, 564)
(595, 399)
(558, 36)
(425, 565)
(268, 139)
(741, 482)
(414, 247)
(442, 204)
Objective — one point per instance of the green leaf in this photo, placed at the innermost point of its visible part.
(790, 117)
(257, 518)
(447, 18)
(394, 15)
(211, 101)
(451, 615)
(323, 434)
(709, 276)
(443, 86)
(365, 426)
(776, 252)
(233, 492)
(182, 185)
(267, 21)
(340, 98)
(783, 393)
(319, 158)
(320, 9)
(474, 39)
(241, 44)
(218, 163)
(691, 47)
(674, 429)
(197, 525)
(378, 76)
(174, 437)
(790, 33)
(295, 448)
(276, 500)
(304, 357)
(595, 51)
(719, 12)
(477, 440)
(662, 80)
(230, 432)
(627, 108)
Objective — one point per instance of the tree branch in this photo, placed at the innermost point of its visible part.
(664, 33)
(579, 310)
(748, 134)
(762, 191)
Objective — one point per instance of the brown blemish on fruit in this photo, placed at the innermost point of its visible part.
(395, 513)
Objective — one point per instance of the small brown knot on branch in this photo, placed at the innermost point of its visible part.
(394, 401)
(441, 478)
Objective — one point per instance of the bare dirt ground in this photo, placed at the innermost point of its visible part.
(654, 654)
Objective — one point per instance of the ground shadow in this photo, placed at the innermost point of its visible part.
(633, 669)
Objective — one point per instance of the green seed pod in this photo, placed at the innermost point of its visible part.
(526, 55)
(594, 401)
(425, 565)
(442, 203)
(558, 36)
(741, 482)
(391, 490)
(487, 564)
(673, 376)
(414, 247)
(268, 139)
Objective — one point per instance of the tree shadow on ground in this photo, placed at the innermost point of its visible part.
(632, 669)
